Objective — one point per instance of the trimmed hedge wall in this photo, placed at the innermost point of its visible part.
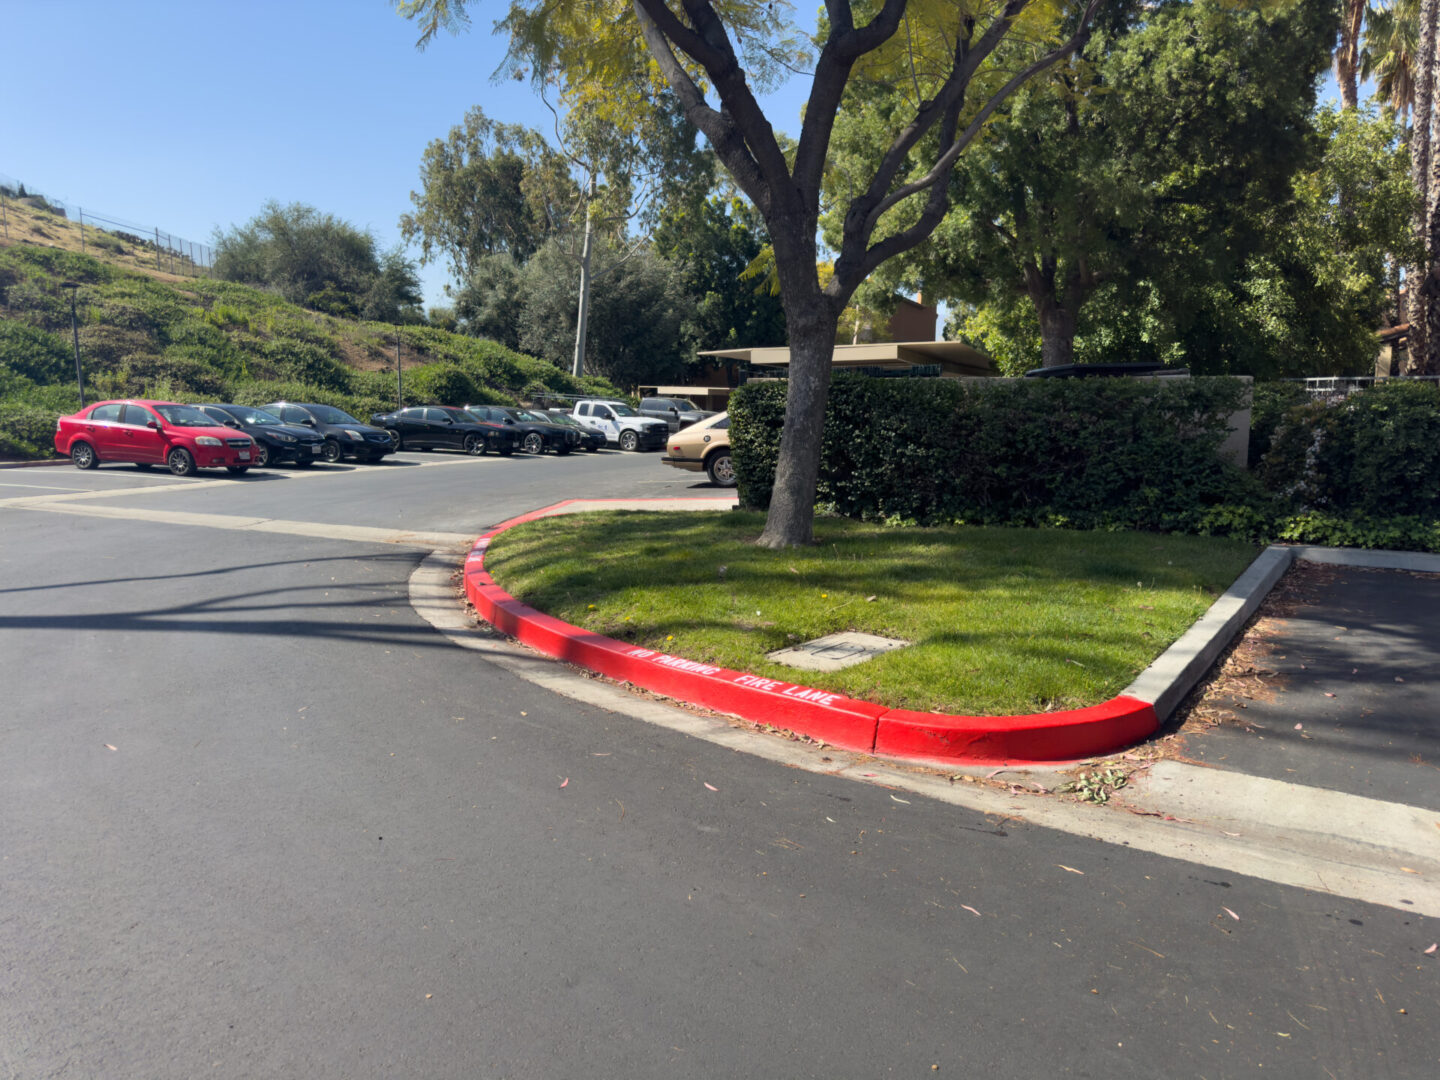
(1086, 453)
(1117, 453)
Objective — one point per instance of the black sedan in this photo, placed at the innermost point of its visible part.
(537, 432)
(276, 442)
(442, 427)
(590, 439)
(343, 435)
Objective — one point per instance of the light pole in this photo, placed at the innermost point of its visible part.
(73, 286)
(399, 376)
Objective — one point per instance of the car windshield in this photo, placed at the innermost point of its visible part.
(460, 416)
(327, 415)
(257, 417)
(534, 418)
(561, 418)
(622, 410)
(186, 416)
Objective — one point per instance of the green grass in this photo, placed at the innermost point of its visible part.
(1001, 620)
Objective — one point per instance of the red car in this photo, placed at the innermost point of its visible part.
(152, 433)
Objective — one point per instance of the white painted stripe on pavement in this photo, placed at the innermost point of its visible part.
(320, 530)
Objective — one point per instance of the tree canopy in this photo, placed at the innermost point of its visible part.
(318, 260)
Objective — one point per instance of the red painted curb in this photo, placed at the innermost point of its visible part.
(821, 714)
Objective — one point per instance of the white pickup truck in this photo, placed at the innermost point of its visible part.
(620, 424)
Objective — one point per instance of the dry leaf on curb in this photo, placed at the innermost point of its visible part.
(565, 781)
(712, 787)
(1431, 950)
(993, 773)
(1230, 913)
(970, 909)
(1407, 870)
(905, 801)
(1071, 869)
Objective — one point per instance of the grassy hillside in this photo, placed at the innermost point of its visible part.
(146, 334)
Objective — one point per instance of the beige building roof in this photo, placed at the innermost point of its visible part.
(953, 358)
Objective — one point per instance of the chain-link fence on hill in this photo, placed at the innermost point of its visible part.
(101, 231)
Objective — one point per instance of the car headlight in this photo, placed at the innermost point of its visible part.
(284, 438)
(207, 440)
(354, 435)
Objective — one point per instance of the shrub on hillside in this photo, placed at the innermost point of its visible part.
(38, 355)
(296, 360)
(26, 431)
(441, 384)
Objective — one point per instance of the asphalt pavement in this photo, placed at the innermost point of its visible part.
(261, 819)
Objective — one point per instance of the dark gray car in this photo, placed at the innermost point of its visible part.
(678, 412)
(343, 435)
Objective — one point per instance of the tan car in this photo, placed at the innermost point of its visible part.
(704, 447)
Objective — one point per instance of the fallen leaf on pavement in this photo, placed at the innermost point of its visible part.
(1299, 727)
(565, 781)
(1408, 870)
(970, 909)
(905, 801)
(712, 787)
(1071, 869)
(1431, 950)
(1230, 913)
(993, 773)
(1328, 694)
(1398, 679)
(109, 747)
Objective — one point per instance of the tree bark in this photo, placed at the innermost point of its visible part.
(790, 521)
(1057, 335)
(1417, 303)
(1347, 53)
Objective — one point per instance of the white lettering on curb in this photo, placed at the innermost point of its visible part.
(757, 682)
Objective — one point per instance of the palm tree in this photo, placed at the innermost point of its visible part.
(1347, 52)
(1392, 41)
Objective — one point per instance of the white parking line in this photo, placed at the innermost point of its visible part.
(319, 530)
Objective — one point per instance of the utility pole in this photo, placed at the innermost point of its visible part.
(73, 287)
(582, 317)
(399, 376)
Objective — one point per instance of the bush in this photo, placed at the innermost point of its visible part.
(305, 361)
(26, 431)
(37, 355)
(1375, 454)
(441, 384)
(1084, 453)
(1271, 402)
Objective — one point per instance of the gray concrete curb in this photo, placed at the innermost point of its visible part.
(1175, 672)
(33, 464)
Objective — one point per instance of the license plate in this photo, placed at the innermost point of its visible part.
(244, 455)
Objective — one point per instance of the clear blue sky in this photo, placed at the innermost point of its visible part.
(189, 114)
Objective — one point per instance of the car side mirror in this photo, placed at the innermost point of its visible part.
(153, 424)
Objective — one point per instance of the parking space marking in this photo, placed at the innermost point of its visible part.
(319, 530)
(45, 487)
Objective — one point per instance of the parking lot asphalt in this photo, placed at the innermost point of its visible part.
(1336, 686)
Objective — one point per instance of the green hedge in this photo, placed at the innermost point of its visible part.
(1376, 454)
(1087, 453)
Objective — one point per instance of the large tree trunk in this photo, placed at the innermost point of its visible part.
(790, 522)
(1417, 302)
(1057, 335)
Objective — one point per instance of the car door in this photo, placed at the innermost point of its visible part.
(101, 430)
(608, 422)
(142, 442)
(442, 430)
